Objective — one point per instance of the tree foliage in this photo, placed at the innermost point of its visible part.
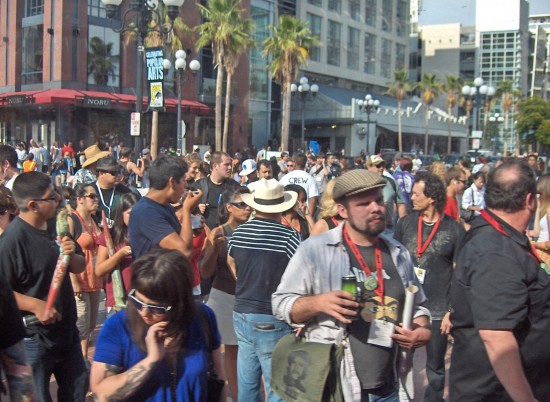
(399, 88)
(101, 62)
(533, 117)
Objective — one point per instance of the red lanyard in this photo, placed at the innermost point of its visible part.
(90, 230)
(378, 260)
(420, 248)
(497, 226)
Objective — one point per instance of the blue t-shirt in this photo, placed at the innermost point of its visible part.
(150, 222)
(115, 346)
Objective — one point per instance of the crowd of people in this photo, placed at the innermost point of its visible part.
(208, 261)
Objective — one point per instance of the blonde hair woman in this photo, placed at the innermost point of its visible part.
(328, 213)
(438, 168)
(542, 218)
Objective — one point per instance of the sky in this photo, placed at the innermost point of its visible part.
(463, 11)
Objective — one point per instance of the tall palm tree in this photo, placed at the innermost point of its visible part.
(452, 88)
(240, 41)
(217, 30)
(508, 96)
(288, 49)
(101, 63)
(430, 88)
(399, 89)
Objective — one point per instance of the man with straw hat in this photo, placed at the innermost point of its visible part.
(259, 252)
(351, 282)
(87, 173)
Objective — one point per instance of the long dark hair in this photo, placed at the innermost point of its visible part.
(119, 232)
(164, 276)
(227, 197)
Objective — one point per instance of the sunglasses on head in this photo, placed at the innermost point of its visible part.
(109, 172)
(139, 305)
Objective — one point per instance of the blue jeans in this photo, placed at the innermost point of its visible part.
(386, 393)
(435, 364)
(66, 365)
(257, 336)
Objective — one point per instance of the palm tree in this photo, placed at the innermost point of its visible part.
(509, 96)
(101, 63)
(399, 88)
(452, 87)
(288, 49)
(239, 41)
(217, 30)
(429, 87)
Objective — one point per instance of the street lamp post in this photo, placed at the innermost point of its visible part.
(496, 118)
(306, 92)
(144, 11)
(477, 95)
(180, 65)
(369, 105)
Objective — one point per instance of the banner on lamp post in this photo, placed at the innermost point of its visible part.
(135, 121)
(155, 75)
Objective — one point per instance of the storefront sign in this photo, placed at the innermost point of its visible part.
(155, 75)
(97, 102)
(135, 121)
(19, 100)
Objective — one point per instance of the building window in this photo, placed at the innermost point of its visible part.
(103, 56)
(96, 8)
(34, 7)
(401, 19)
(370, 54)
(385, 58)
(355, 9)
(335, 5)
(334, 43)
(387, 15)
(258, 77)
(316, 2)
(353, 48)
(315, 24)
(33, 39)
(370, 12)
(399, 56)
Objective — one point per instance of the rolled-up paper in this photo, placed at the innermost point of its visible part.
(405, 374)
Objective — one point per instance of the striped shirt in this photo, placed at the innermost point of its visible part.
(262, 249)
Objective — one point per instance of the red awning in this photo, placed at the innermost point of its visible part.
(75, 97)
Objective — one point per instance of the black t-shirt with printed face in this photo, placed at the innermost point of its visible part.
(28, 258)
(373, 363)
(437, 260)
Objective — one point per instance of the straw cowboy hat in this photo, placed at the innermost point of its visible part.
(93, 154)
(270, 197)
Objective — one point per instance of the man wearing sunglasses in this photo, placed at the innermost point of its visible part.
(455, 179)
(108, 187)
(28, 257)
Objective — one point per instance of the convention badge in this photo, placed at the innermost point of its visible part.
(370, 283)
(420, 274)
(380, 333)
(545, 267)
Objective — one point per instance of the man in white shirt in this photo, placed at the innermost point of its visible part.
(303, 179)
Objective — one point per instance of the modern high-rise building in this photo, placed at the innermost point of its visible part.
(539, 74)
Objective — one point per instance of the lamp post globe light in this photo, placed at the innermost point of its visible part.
(369, 105)
(306, 92)
(180, 65)
(476, 96)
(143, 12)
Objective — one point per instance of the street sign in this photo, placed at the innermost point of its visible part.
(476, 143)
(477, 134)
(183, 129)
(135, 121)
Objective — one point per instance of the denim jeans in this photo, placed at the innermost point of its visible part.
(435, 364)
(386, 393)
(257, 335)
(66, 365)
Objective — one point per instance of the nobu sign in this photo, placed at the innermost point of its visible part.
(155, 74)
(97, 102)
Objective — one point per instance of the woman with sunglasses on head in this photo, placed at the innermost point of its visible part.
(122, 259)
(155, 349)
(86, 285)
(233, 212)
(298, 217)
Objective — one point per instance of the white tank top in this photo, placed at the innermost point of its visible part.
(543, 235)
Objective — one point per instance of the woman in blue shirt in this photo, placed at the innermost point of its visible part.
(155, 349)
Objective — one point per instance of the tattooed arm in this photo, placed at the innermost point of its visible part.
(111, 383)
(18, 373)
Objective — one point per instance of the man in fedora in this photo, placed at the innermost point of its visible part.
(379, 268)
(108, 187)
(87, 173)
(259, 251)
